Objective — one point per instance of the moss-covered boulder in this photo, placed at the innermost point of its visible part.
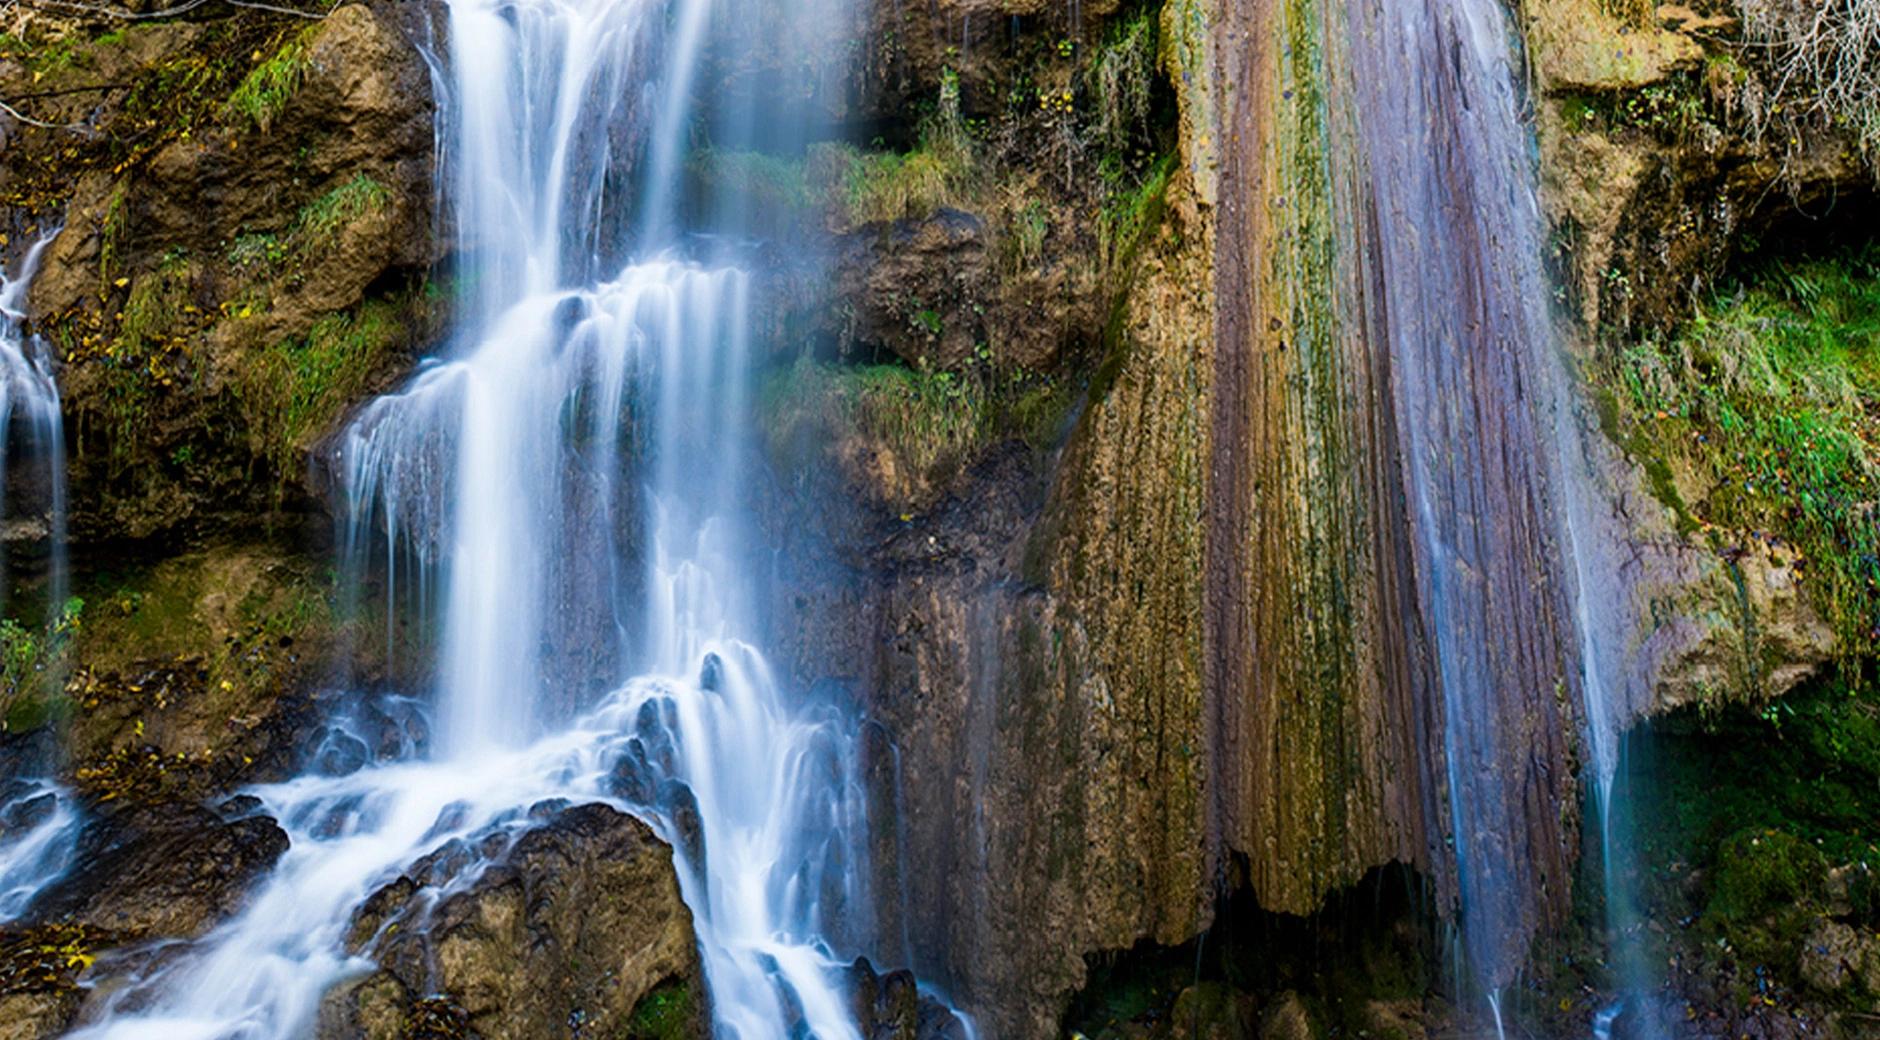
(200, 671)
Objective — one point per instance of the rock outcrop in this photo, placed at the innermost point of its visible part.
(245, 214)
(161, 872)
(576, 926)
(1083, 753)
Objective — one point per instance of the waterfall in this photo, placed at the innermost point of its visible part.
(1502, 484)
(569, 478)
(39, 823)
(29, 403)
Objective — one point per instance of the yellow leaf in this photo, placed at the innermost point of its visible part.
(122, 282)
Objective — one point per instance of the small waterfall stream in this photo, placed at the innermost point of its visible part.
(39, 824)
(1504, 496)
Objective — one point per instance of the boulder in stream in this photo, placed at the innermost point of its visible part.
(577, 929)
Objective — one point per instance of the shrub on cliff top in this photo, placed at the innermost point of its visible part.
(1827, 55)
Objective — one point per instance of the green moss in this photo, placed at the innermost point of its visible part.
(266, 90)
(1772, 394)
(1675, 110)
(33, 661)
(150, 319)
(929, 424)
(1131, 212)
(258, 250)
(924, 418)
(941, 170)
(321, 221)
(669, 1012)
(1757, 804)
(774, 192)
(1760, 871)
(1121, 81)
(294, 390)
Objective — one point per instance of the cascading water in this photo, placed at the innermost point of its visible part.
(570, 476)
(39, 824)
(29, 403)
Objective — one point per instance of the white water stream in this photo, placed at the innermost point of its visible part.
(573, 463)
(39, 824)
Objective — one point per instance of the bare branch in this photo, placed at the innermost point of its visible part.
(30, 121)
(125, 14)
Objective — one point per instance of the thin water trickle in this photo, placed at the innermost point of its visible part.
(39, 827)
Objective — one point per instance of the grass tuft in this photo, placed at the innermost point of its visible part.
(268, 87)
(322, 220)
(298, 387)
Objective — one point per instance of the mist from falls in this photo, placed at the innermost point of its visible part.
(561, 496)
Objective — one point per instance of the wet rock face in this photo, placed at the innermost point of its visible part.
(892, 1007)
(168, 872)
(578, 926)
(932, 291)
(248, 193)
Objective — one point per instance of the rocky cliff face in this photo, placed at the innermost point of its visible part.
(1089, 485)
(1203, 669)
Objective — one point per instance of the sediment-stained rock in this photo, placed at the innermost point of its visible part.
(579, 921)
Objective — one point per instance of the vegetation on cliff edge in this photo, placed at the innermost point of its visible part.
(1768, 402)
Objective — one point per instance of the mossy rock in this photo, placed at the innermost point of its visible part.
(669, 1012)
(1759, 871)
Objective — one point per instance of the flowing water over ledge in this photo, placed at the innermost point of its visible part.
(39, 823)
(569, 477)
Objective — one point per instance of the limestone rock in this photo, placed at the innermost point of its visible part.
(168, 871)
(579, 921)
(1392, 1020)
(1837, 957)
(1286, 1017)
(36, 1015)
(1577, 45)
(1212, 1011)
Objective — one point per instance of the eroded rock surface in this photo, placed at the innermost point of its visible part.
(576, 926)
(169, 871)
